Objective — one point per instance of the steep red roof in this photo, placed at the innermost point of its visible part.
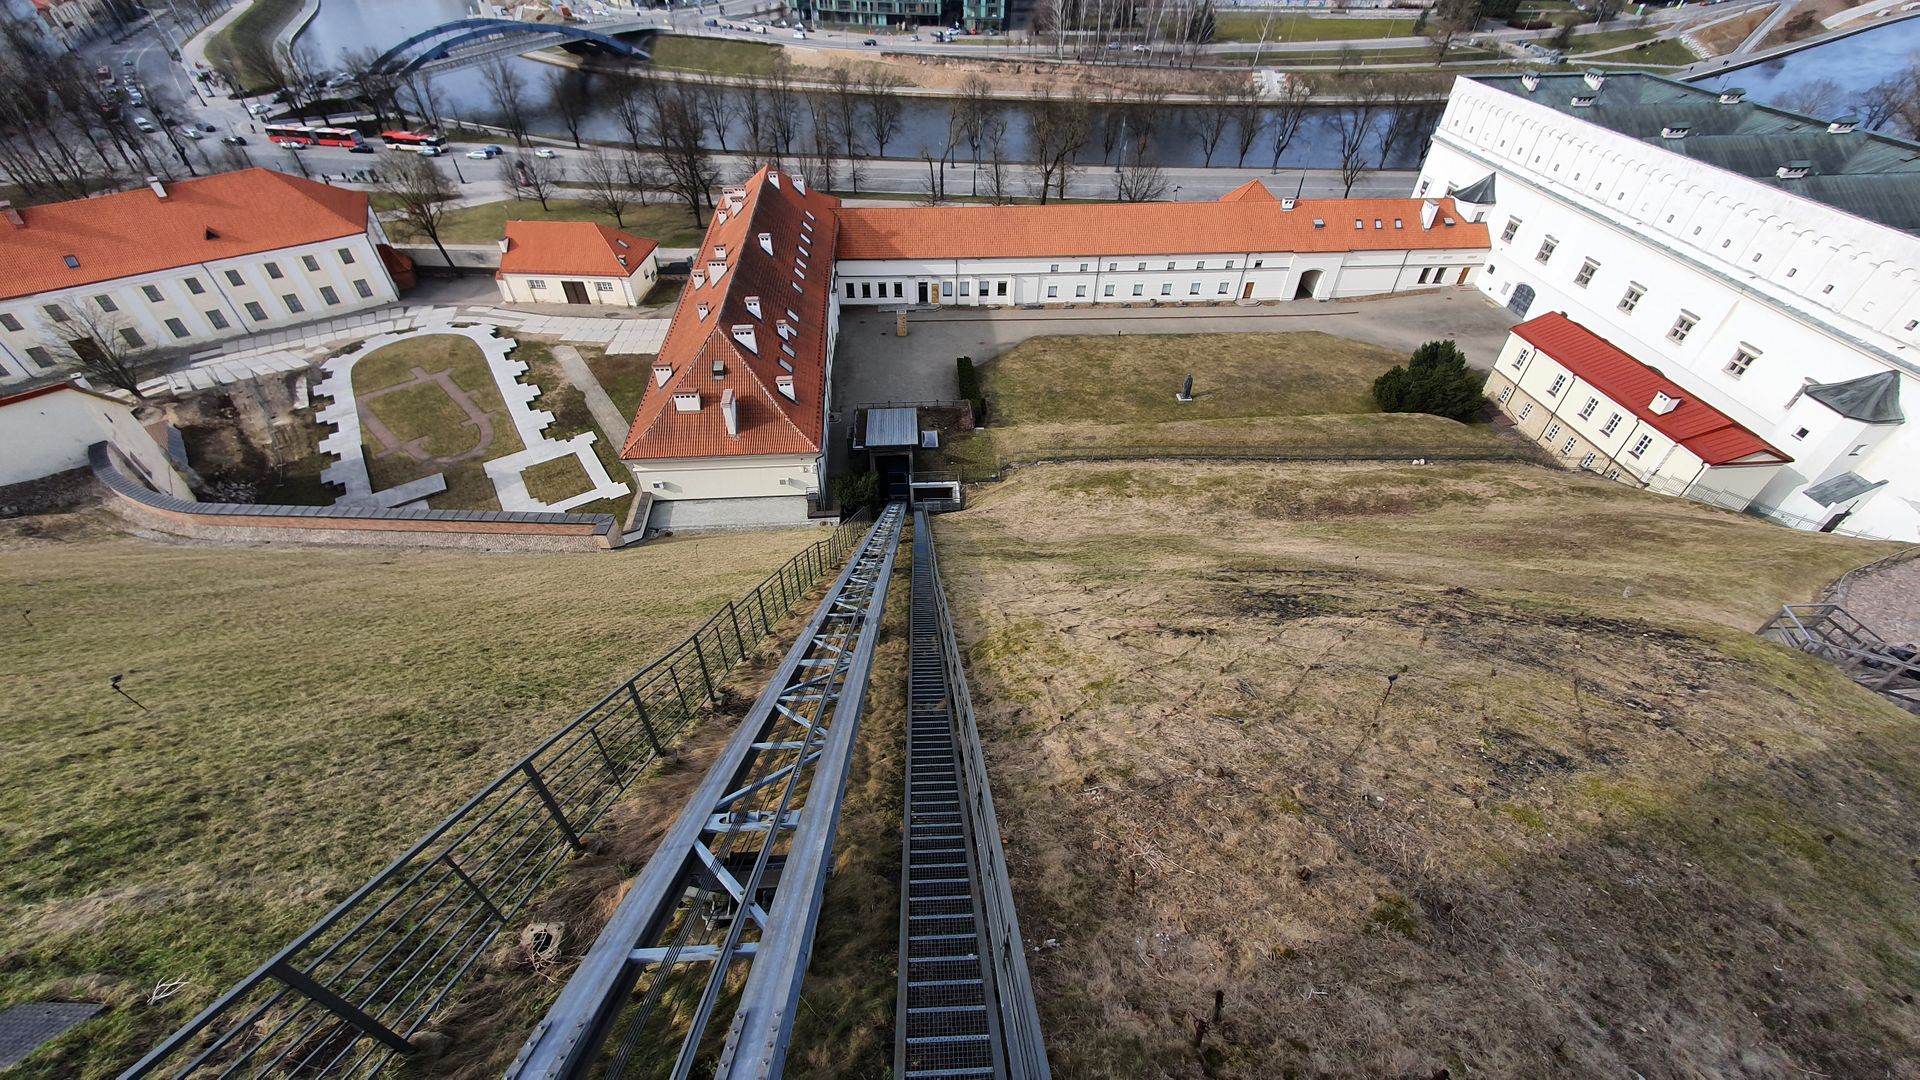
(1251, 191)
(1152, 228)
(1705, 431)
(790, 284)
(138, 232)
(571, 247)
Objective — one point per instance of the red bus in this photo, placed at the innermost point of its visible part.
(412, 140)
(302, 135)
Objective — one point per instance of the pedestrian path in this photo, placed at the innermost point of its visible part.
(605, 412)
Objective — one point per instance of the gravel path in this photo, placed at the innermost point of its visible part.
(1887, 600)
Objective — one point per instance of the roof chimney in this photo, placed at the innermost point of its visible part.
(1287, 202)
(1732, 95)
(686, 401)
(1429, 209)
(730, 412)
(159, 189)
(12, 215)
(1530, 80)
(1793, 170)
(785, 385)
(623, 260)
(1842, 125)
(1662, 404)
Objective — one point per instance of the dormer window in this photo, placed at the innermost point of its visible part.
(1674, 131)
(720, 252)
(766, 242)
(1583, 101)
(661, 373)
(1794, 170)
(719, 370)
(703, 309)
(686, 401)
(753, 306)
(698, 279)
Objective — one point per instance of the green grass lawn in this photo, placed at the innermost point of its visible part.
(426, 412)
(1608, 39)
(667, 224)
(258, 24)
(1665, 53)
(716, 56)
(557, 481)
(571, 417)
(1253, 394)
(1246, 27)
(309, 712)
(624, 378)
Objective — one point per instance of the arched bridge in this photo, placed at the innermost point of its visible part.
(464, 42)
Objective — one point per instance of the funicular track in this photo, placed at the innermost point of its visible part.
(965, 1006)
(720, 922)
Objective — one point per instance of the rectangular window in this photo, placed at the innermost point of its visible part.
(866, 290)
(1142, 266)
(1169, 264)
(1193, 288)
(106, 303)
(9, 322)
(1682, 326)
(332, 298)
(983, 288)
(1587, 269)
(1631, 299)
(152, 292)
(360, 286)
(1526, 410)
(254, 310)
(1106, 290)
(1558, 382)
(1612, 423)
(897, 293)
(176, 328)
(1112, 266)
(194, 286)
(1053, 268)
(1200, 264)
(1139, 289)
(1640, 445)
(218, 319)
(1513, 227)
(1546, 250)
(1000, 289)
(541, 283)
(1586, 410)
(1587, 462)
(1568, 448)
(293, 303)
(1222, 290)
(1258, 263)
(966, 286)
(1079, 290)
(346, 256)
(1505, 393)
(273, 271)
(234, 278)
(1083, 268)
(1743, 358)
(1166, 288)
(1053, 290)
(312, 264)
(132, 337)
(1553, 432)
(39, 356)
(1520, 359)
(1423, 276)
(850, 290)
(56, 313)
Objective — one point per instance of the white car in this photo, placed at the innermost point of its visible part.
(480, 155)
(144, 124)
(254, 108)
(545, 152)
(192, 132)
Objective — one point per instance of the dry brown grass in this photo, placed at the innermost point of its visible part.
(1722, 36)
(1472, 770)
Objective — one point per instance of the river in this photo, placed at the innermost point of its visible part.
(343, 25)
(1851, 63)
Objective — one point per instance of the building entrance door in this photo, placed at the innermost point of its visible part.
(923, 292)
(576, 291)
(1463, 275)
(1522, 300)
(1246, 291)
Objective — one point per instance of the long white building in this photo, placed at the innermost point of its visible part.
(1764, 261)
(181, 265)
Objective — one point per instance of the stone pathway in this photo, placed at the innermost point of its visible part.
(1887, 599)
(511, 485)
(605, 412)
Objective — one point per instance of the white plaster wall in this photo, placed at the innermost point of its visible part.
(727, 478)
(626, 291)
(50, 433)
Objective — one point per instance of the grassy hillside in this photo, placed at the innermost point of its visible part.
(1463, 770)
(307, 714)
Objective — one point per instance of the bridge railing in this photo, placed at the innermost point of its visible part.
(351, 992)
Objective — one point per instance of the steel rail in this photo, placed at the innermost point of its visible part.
(794, 745)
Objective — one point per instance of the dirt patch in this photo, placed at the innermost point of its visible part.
(1417, 802)
(251, 442)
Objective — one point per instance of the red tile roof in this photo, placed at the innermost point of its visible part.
(571, 247)
(1251, 191)
(769, 423)
(1158, 228)
(137, 232)
(1705, 431)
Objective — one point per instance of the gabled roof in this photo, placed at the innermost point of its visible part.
(791, 285)
(1703, 430)
(571, 247)
(1874, 398)
(1251, 191)
(85, 241)
(1840, 488)
(1153, 228)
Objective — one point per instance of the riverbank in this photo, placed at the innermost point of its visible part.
(251, 34)
(1708, 69)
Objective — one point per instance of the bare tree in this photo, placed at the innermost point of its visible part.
(100, 343)
(994, 136)
(1247, 120)
(687, 164)
(1058, 130)
(375, 84)
(1140, 181)
(1411, 111)
(881, 90)
(424, 99)
(1216, 114)
(1289, 112)
(508, 92)
(1882, 101)
(844, 91)
(1447, 20)
(528, 177)
(716, 105)
(1353, 123)
(971, 109)
(756, 119)
(419, 192)
(1815, 97)
(783, 110)
(606, 185)
(567, 90)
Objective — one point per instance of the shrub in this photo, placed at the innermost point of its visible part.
(970, 389)
(1434, 380)
(856, 491)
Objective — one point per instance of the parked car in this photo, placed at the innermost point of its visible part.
(479, 155)
(1112, 45)
(191, 132)
(363, 148)
(235, 140)
(546, 152)
(144, 124)
(1141, 48)
(127, 62)
(711, 22)
(432, 151)
(254, 108)
(870, 41)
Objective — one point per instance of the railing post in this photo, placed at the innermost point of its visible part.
(646, 722)
(705, 676)
(738, 638)
(339, 1006)
(760, 597)
(553, 805)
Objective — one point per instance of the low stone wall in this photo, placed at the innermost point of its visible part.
(490, 530)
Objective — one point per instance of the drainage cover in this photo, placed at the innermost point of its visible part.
(25, 1028)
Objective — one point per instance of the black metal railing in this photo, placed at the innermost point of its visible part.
(351, 992)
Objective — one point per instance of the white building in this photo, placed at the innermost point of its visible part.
(1766, 262)
(574, 262)
(47, 430)
(180, 265)
(1594, 407)
(1247, 246)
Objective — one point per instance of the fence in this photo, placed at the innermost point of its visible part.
(349, 993)
(1726, 500)
(1104, 452)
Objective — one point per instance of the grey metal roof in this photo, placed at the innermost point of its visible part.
(1874, 398)
(1867, 174)
(893, 427)
(1480, 192)
(1841, 488)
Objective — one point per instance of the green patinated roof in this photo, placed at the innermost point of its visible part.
(1869, 175)
(1874, 398)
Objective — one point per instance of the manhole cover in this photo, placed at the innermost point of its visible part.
(24, 1028)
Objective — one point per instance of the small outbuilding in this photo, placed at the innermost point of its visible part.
(574, 262)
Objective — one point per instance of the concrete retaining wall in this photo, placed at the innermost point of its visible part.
(486, 530)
